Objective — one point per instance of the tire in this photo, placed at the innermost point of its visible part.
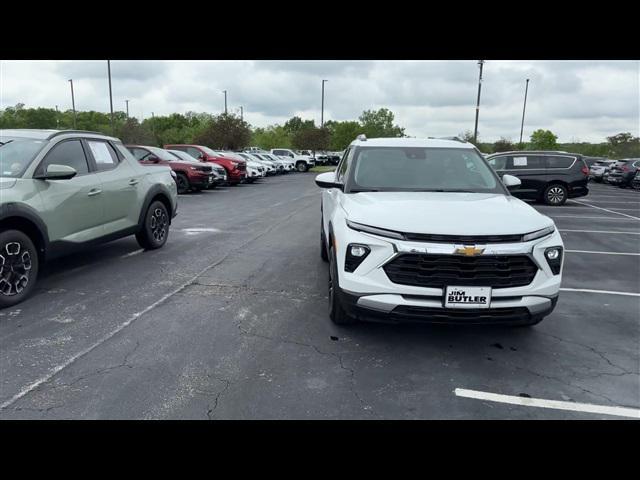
(555, 195)
(302, 167)
(183, 183)
(155, 230)
(323, 245)
(337, 313)
(18, 267)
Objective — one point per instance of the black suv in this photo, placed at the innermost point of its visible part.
(623, 172)
(549, 177)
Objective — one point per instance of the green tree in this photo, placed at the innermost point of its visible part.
(342, 133)
(379, 123)
(131, 132)
(295, 124)
(226, 131)
(503, 145)
(624, 145)
(312, 139)
(274, 136)
(543, 140)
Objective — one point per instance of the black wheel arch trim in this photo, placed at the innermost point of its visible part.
(22, 211)
(151, 194)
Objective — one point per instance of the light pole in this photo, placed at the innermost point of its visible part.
(526, 89)
(127, 102)
(322, 108)
(225, 101)
(153, 130)
(475, 130)
(241, 113)
(57, 117)
(73, 104)
(110, 96)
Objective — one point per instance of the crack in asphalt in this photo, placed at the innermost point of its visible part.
(338, 356)
(210, 410)
(245, 289)
(54, 371)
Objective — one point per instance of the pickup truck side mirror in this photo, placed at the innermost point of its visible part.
(327, 180)
(57, 172)
(511, 182)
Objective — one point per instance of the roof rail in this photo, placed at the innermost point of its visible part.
(362, 137)
(64, 132)
(455, 139)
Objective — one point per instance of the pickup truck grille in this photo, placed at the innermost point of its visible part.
(463, 239)
(439, 271)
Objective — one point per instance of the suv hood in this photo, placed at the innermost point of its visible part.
(444, 213)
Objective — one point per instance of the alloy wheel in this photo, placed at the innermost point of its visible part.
(159, 222)
(15, 268)
(555, 195)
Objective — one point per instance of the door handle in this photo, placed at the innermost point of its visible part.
(94, 192)
(133, 182)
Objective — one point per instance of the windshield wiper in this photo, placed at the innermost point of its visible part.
(4, 143)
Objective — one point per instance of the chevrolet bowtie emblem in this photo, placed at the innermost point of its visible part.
(469, 251)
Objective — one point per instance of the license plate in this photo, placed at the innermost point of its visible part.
(467, 297)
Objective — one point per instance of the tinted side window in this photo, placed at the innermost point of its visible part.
(498, 163)
(559, 162)
(104, 155)
(528, 162)
(68, 153)
(344, 165)
(194, 152)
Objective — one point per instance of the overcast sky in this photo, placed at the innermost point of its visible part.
(577, 100)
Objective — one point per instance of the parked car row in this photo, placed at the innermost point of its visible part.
(622, 172)
(63, 190)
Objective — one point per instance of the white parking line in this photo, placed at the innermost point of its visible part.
(603, 253)
(610, 201)
(604, 209)
(553, 404)
(131, 254)
(607, 292)
(599, 231)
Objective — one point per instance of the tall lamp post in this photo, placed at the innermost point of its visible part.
(475, 130)
(73, 104)
(127, 102)
(322, 108)
(110, 96)
(241, 113)
(526, 89)
(225, 101)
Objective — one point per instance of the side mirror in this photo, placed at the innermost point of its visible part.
(511, 182)
(327, 180)
(154, 159)
(58, 172)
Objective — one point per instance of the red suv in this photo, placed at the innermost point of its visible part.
(236, 169)
(189, 175)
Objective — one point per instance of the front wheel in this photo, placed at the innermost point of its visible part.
(337, 313)
(155, 229)
(18, 267)
(555, 195)
(183, 183)
(302, 167)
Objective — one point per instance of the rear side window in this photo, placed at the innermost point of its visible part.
(69, 153)
(529, 162)
(104, 155)
(559, 162)
(194, 152)
(498, 163)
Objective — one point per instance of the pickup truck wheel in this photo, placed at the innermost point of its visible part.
(337, 313)
(555, 195)
(18, 267)
(302, 166)
(155, 229)
(182, 182)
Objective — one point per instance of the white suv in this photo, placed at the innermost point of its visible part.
(303, 162)
(424, 230)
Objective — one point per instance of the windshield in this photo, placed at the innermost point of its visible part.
(422, 169)
(16, 154)
(161, 154)
(182, 156)
(209, 151)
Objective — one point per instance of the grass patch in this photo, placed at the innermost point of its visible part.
(323, 168)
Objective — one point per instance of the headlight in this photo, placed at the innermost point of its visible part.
(554, 258)
(356, 253)
(376, 231)
(538, 234)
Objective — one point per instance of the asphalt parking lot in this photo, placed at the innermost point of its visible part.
(229, 321)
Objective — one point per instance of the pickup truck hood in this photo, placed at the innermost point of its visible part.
(444, 213)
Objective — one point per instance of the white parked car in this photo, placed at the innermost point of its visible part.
(424, 229)
(269, 167)
(282, 165)
(302, 162)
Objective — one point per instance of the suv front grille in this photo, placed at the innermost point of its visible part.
(439, 271)
(465, 239)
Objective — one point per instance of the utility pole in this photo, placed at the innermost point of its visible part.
(127, 102)
(322, 108)
(241, 114)
(113, 132)
(526, 89)
(73, 104)
(57, 117)
(475, 130)
(153, 130)
(225, 102)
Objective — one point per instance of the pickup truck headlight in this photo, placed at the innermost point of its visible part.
(356, 253)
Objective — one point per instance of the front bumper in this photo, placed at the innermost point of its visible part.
(370, 294)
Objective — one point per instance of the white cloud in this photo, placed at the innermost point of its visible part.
(575, 99)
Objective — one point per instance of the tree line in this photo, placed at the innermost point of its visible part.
(228, 131)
